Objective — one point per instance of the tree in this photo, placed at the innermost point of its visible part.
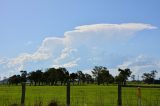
(73, 76)
(29, 77)
(63, 75)
(88, 78)
(149, 77)
(23, 76)
(153, 72)
(111, 78)
(39, 74)
(123, 75)
(96, 73)
(102, 74)
(33, 77)
(36, 77)
(45, 78)
(81, 77)
(52, 76)
(133, 77)
(15, 79)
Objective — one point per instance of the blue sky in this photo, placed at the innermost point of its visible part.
(46, 33)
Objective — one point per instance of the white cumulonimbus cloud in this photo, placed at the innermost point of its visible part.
(85, 45)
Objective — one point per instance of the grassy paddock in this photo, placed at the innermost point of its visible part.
(91, 95)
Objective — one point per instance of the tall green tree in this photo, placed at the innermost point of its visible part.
(39, 75)
(73, 76)
(63, 75)
(23, 76)
(81, 77)
(89, 78)
(123, 75)
(149, 77)
(15, 79)
(52, 76)
(101, 74)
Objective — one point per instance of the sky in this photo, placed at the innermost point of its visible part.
(79, 34)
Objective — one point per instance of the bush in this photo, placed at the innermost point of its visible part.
(53, 103)
(15, 104)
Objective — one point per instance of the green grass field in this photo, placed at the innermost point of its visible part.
(91, 95)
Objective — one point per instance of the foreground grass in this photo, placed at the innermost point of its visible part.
(91, 95)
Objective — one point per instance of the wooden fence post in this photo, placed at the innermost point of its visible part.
(23, 93)
(119, 94)
(139, 96)
(68, 93)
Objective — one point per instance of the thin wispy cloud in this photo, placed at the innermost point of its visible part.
(28, 43)
(141, 64)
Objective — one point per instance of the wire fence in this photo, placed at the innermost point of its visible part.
(90, 95)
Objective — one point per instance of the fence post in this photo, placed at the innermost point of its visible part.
(119, 94)
(23, 93)
(139, 96)
(68, 93)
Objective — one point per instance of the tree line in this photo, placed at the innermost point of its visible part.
(60, 76)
